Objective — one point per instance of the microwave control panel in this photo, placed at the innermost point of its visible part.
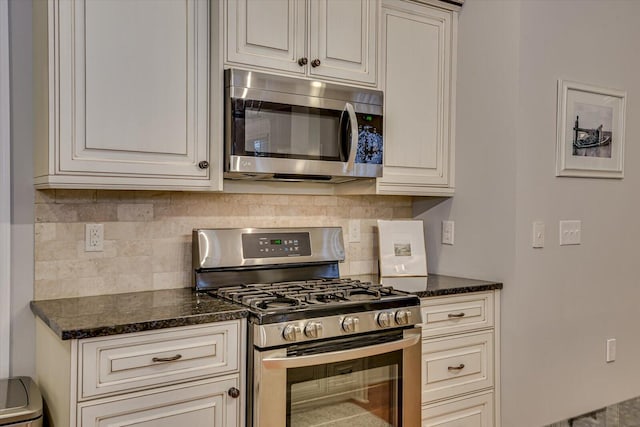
(275, 245)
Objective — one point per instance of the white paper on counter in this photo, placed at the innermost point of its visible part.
(402, 250)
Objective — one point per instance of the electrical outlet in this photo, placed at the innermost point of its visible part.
(354, 230)
(447, 232)
(94, 237)
(570, 232)
(611, 350)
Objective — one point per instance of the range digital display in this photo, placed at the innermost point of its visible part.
(273, 245)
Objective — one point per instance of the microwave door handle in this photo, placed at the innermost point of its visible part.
(353, 147)
(413, 338)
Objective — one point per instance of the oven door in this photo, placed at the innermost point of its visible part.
(371, 380)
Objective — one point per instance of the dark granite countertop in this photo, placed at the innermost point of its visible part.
(102, 315)
(436, 285)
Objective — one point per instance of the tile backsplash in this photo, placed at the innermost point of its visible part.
(147, 235)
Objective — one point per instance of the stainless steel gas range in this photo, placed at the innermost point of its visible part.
(322, 350)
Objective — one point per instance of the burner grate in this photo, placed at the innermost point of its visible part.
(295, 294)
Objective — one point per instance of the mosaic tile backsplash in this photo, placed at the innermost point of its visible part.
(147, 235)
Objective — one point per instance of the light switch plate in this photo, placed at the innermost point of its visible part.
(570, 232)
(537, 240)
(611, 350)
(447, 232)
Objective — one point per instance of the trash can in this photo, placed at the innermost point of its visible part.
(20, 403)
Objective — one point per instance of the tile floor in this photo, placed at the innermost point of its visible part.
(623, 414)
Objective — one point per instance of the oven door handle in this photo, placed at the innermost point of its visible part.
(413, 338)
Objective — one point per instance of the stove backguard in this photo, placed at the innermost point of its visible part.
(224, 257)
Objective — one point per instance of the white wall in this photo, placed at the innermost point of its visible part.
(5, 193)
(559, 304)
(22, 320)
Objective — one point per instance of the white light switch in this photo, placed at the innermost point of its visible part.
(447, 232)
(611, 350)
(570, 232)
(538, 235)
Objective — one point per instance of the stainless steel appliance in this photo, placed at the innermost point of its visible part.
(283, 128)
(322, 350)
(20, 403)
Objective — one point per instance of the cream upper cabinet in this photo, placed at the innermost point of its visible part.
(418, 50)
(325, 39)
(123, 95)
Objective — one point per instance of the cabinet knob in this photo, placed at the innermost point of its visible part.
(302, 62)
(315, 63)
(234, 392)
(203, 164)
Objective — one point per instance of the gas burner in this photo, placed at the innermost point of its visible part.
(326, 298)
(277, 303)
(363, 294)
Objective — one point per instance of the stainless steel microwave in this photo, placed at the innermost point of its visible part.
(283, 128)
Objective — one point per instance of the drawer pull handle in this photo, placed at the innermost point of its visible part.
(456, 368)
(456, 315)
(167, 359)
(234, 392)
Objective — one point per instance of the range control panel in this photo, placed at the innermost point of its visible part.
(273, 245)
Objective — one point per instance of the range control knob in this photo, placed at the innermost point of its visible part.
(313, 330)
(291, 332)
(403, 317)
(350, 324)
(384, 319)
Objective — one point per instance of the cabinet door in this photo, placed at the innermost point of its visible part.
(475, 411)
(456, 365)
(132, 86)
(343, 39)
(205, 403)
(266, 33)
(417, 52)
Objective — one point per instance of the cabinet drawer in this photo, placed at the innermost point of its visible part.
(127, 362)
(201, 403)
(450, 315)
(474, 411)
(451, 366)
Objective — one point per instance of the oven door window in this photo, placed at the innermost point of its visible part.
(360, 392)
(269, 129)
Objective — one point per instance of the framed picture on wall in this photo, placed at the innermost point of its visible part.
(590, 133)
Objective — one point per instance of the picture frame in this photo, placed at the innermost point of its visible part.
(402, 248)
(590, 131)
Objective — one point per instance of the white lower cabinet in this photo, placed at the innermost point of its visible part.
(204, 403)
(184, 376)
(474, 411)
(460, 360)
